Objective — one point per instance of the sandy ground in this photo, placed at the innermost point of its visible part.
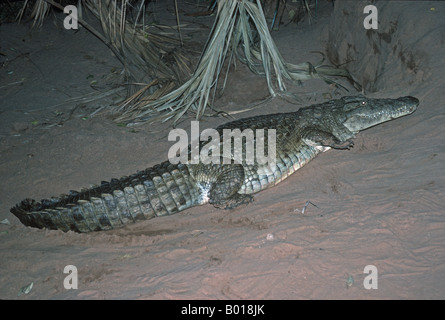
(380, 203)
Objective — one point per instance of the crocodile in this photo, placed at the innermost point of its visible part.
(167, 188)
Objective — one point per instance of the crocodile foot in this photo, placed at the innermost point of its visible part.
(234, 201)
(348, 144)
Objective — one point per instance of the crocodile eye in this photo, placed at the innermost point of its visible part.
(363, 103)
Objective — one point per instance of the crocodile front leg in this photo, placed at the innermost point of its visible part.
(320, 138)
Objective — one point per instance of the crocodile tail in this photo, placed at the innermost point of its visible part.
(160, 190)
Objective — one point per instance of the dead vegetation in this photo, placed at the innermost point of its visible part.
(156, 74)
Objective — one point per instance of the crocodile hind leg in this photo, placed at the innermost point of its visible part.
(234, 201)
(220, 184)
(224, 192)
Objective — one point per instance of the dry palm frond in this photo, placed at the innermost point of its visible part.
(143, 53)
(39, 11)
(232, 29)
(195, 93)
(144, 57)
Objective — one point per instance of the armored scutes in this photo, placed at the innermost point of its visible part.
(169, 188)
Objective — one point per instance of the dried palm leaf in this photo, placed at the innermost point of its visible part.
(39, 11)
(143, 52)
(232, 30)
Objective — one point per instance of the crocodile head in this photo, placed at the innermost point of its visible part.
(359, 113)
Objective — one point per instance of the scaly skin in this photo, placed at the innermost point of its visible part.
(169, 188)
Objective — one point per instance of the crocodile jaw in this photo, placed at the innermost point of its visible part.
(375, 111)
